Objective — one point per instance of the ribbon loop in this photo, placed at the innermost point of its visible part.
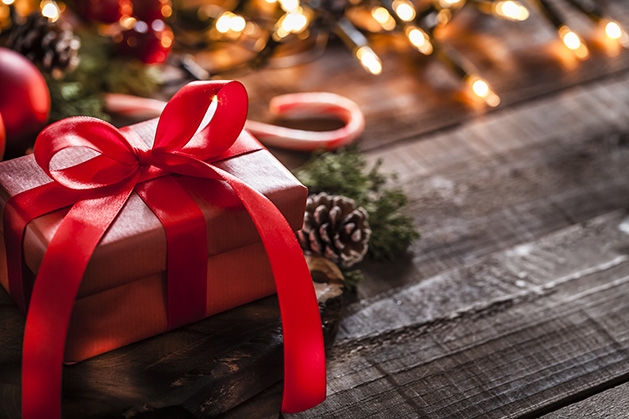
(110, 161)
(191, 104)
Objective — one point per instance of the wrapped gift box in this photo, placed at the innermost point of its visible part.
(122, 298)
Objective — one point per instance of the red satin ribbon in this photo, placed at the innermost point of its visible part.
(103, 185)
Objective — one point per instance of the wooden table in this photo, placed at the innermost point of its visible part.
(515, 301)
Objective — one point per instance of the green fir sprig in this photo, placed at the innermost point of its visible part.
(81, 92)
(344, 173)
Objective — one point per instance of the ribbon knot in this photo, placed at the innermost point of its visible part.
(145, 157)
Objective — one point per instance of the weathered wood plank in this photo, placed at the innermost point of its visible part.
(612, 403)
(477, 189)
(559, 330)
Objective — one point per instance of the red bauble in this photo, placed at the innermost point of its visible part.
(104, 11)
(24, 99)
(150, 10)
(151, 43)
(3, 137)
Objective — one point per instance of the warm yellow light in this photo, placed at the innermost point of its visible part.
(614, 31)
(294, 22)
(444, 16)
(404, 10)
(573, 42)
(289, 5)
(50, 10)
(383, 17)
(369, 60)
(166, 41)
(482, 90)
(229, 21)
(237, 23)
(512, 10)
(8, 2)
(449, 4)
(127, 22)
(222, 23)
(420, 40)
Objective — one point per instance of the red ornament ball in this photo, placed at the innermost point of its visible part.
(25, 99)
(104, 11)
(151, 43)
(150, 10)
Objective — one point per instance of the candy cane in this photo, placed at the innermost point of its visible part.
(297, 105)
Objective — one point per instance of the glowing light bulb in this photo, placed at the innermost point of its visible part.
(512, 10)
(229, 21)
(127, 22)
(222, 23)
(404, 10)
(294, 22)
(614, 31)
(50, 10)
(8, 2)
(369, 60)
(291, 22)
(573, 42)
(451, 4)
(237, 23)
(481, 89)
(383, 17)
(289, 5)
(420, 40)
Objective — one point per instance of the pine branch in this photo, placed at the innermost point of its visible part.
(343, 173)
(81, 91)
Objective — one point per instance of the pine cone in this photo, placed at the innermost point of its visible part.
(51, 46)
(334, 228)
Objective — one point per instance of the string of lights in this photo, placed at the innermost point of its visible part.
(353, 22)
(289, 31)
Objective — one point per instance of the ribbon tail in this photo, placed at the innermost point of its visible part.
(52, 300)
(304, 354)
(18, 212)
(186, 238)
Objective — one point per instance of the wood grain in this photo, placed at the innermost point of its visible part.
(612, 403)
(556, 339)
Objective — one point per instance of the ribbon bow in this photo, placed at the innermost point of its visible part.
(99, 188)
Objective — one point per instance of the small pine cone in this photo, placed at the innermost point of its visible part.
(334, 228)
(51, 46)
